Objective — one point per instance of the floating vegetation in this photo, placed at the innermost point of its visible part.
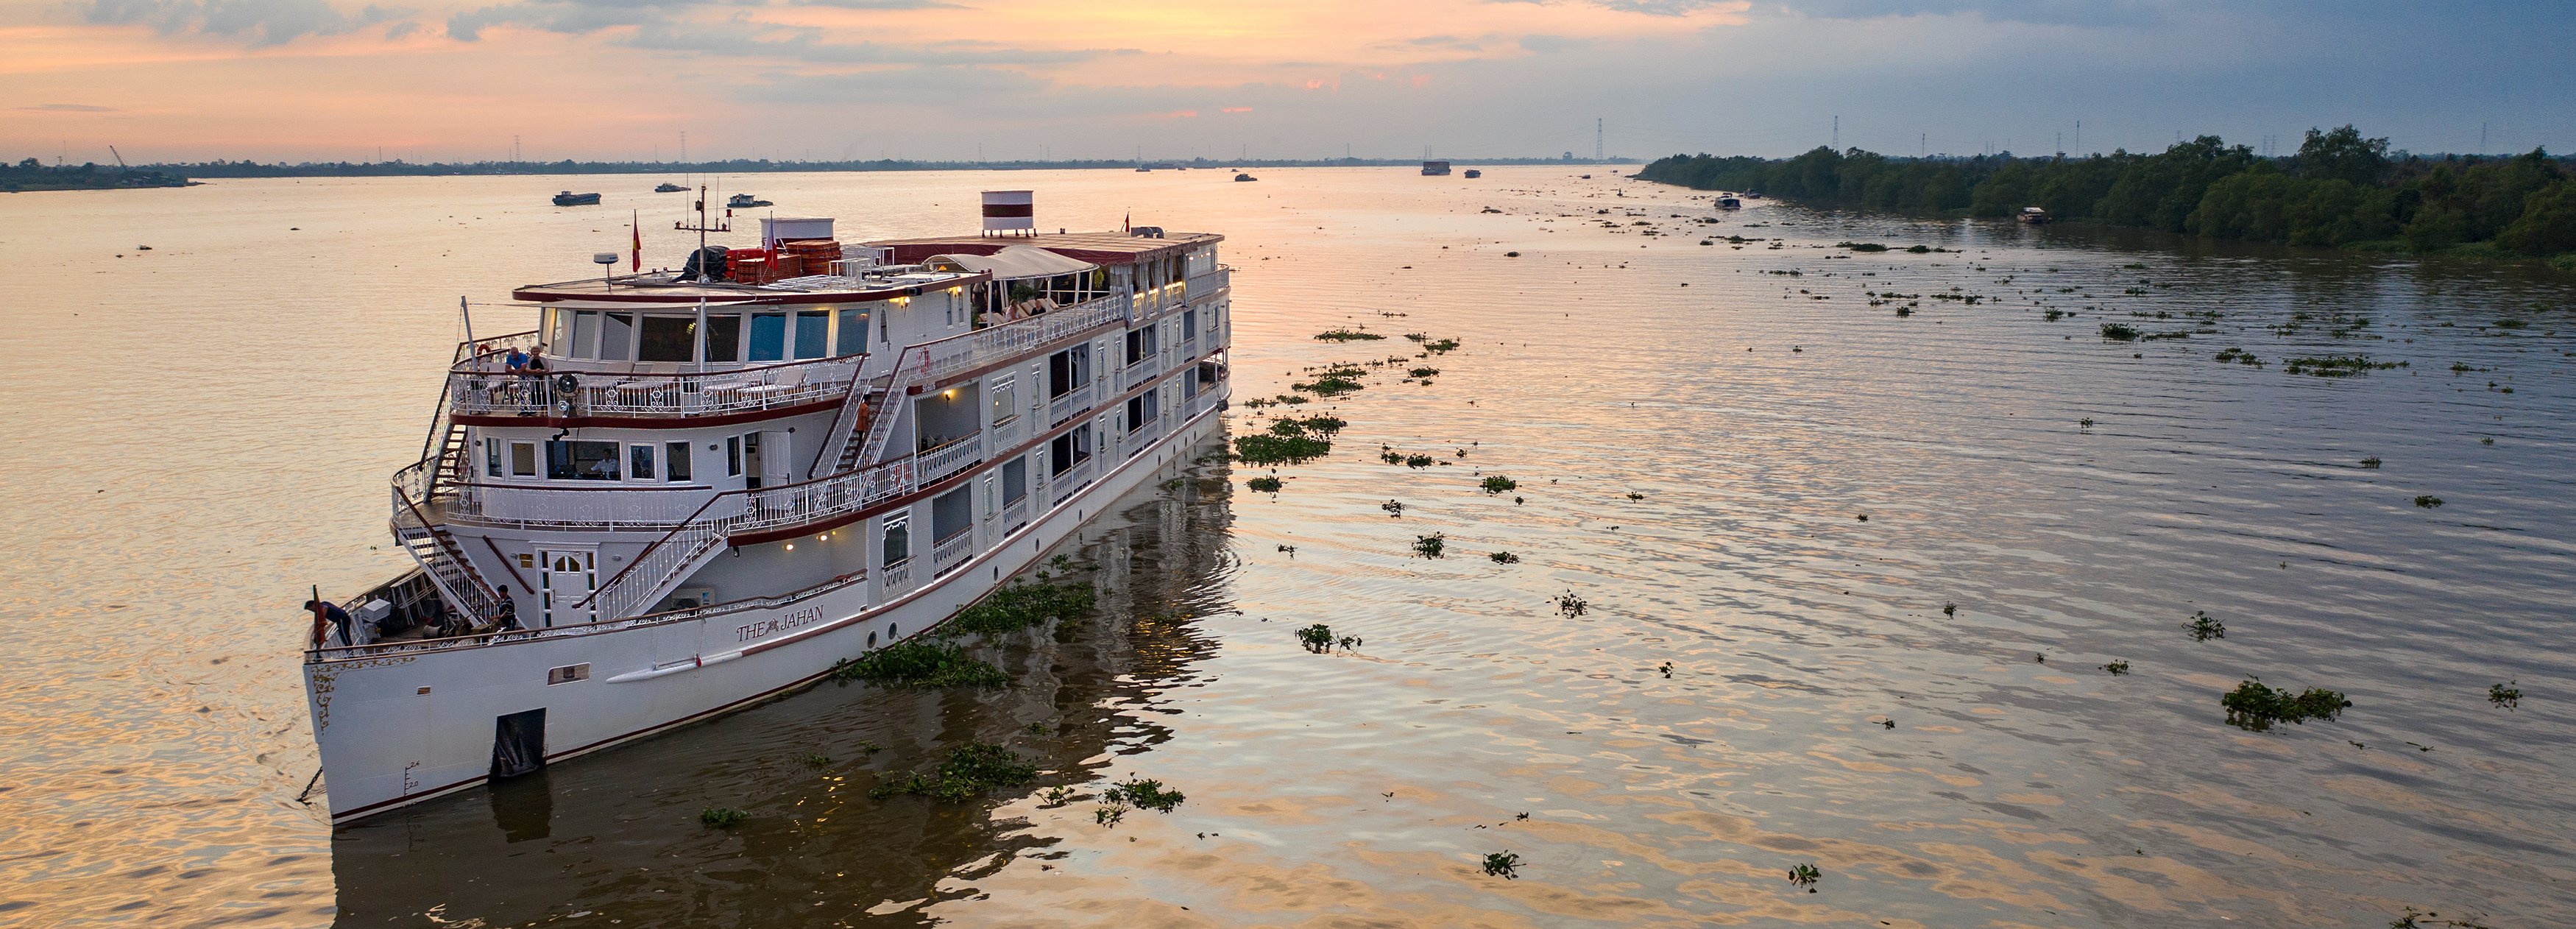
(1511, 254)
(1268, 485)
(919, 664)
(1861, 246)
(1318, 638)
(2413, 919)
(1949, 609)
(2116, 332)
(1502, 865)
(2505, 695)
(1572, 604)
(1633, 495)
(1144, 794)
(2337, 365)
(1108, 815)
(1057, 795)
(2052, 315)
(2428, 501)
(1274, 449)
(2203, 628)
(1018, 606)
(2085, 423)
(1496, 483)
(1505, 558)
(2237, 355)
(1420, 461)
(1393, 508)
(1347, 335)
(971, 769)
(2255, 707)
(1902, 311)
(1391, 456)
(1323, 424)
(816, 759)
(1440, 347)
(2117, 668)
(2371, 462)
(1806, 876)
(722, 817)
(1423, 373)
(1429, 546)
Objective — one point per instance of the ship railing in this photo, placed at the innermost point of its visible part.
(1073, 480)
(1208, 283)
(950, 552)
(492, 354)
(614, 393)
(944, 460)
(400, 646)
(898, 577)
(611, 506)
(1069, 404)
(930, 361)
(1015, 514)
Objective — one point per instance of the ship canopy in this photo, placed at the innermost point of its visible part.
(1011, 263)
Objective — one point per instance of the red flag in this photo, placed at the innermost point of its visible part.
(1128, 224)
(637, 264)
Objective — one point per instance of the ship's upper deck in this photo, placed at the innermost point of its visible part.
(1102, 248)
(667, 287)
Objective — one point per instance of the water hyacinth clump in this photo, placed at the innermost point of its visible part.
(970, 770)
(1271, 449)
(920, 664)
(1347, 335)
(1572, 604)
(722, 817)
(2505, 695)
(1502, 865)
(1430, 546)
(1263, 484)
(1317, 638)
(1505, 558)
(1806, 875)
(1143, 794)
(2255, 707)
(1496, 483)
(2203, 628)
(1020, 605)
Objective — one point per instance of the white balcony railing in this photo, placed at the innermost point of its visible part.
(1071, 404)
(602, 393)
(940, 462)
(898, 577)
(952, 551)
(1016, 514)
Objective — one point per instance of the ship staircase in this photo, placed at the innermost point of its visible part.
(427, 541)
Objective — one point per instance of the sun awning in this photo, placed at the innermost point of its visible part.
(1013, 262)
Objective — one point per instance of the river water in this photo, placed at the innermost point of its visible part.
(1915, 703)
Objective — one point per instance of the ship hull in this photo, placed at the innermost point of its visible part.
(401, 728)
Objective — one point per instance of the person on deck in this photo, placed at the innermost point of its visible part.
(517, 360)
(325, 616)
(505, 618)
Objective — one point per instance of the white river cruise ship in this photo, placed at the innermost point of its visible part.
(711, 484)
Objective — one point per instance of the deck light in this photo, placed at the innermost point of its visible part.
(791, 546)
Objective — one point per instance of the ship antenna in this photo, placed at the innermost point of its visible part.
(702, 227)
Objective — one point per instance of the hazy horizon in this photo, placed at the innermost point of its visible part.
(617, 80)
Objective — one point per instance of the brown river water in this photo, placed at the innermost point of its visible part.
(202, 430)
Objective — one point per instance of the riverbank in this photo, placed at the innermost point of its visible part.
(27, 177)
(2340, 190)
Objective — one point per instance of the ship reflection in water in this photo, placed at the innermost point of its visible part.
(617, 833)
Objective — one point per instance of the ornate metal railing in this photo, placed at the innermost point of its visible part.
(605, 393)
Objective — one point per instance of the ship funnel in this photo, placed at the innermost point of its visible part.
(1010, 211)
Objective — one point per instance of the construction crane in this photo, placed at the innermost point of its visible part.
(120, 159)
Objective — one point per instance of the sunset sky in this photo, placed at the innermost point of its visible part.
(935, 79)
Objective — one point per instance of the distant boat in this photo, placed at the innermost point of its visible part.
(2032, 215)
(1729, 203)
(1435, 168)
(568, 198)
(744, 202)
(1240, 176)
(1749, 195)
(1473, 174)
(1587, 177)
(1142, 168)
(667, 187)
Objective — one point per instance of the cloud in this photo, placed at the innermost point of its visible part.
(750, 39)
(2098, 13)
(71, 108)
(1648, 7)
(1543, 44)
(570, 17)
(264, 22)
(880, 4)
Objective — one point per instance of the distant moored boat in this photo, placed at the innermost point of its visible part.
(667, 187)
(568, 198)
(2032, 215)
(1240, 176)
(744, 202)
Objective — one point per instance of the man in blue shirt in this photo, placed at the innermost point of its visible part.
(325, 616)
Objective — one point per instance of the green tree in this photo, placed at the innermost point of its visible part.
(2548, 222)
(2343, 154)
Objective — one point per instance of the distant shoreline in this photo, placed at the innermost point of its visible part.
(243, 169)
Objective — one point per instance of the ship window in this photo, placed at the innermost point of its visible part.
(1006, 399)
(585, 336)
(951, 513)
(616, 336)
(768, 336)
(639, 462)
(666, 338)
(523, 459)
(676, 460)
(813, 331)
(724, 338)
(560, 342)
(733, 456)
(853, 337)
(1143, 410)
(581, 461)
(1066, 370)
(492, 457)
(1015, 479)
(1189, 325)
(898, 540)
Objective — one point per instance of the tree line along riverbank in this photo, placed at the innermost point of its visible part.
(2340, 190)
(31, 174)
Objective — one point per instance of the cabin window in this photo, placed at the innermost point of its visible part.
(1144, 409)
(675, 460)
(898, 540)
(853, 337)
(1069, 449)
(616, 336)
(1067, 370)
(1140, 344)
(491, 457)
(585, 335)
(639, 462)
(581, 461)
(559, 339)
(667, 338)
(951, 513)
(733, 456)
(1189, 325)
(724, 338)
(1189, 386)
(813, 332)
(523, 459)
(1015, 479)
(768, 336)
(1006, 399)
